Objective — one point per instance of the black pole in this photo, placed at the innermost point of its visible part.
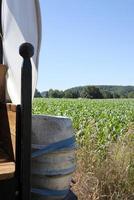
(1, 33)
(26, 51)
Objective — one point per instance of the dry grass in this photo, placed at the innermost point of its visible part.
(111, 178)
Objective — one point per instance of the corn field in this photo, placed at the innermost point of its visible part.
(104, 131)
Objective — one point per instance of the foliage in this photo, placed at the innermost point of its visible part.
(106, 94)
(71, 94)
(104, 120)
(37, 94)
(102, 91)
(91, 92)
(55, 94)
(131, 94)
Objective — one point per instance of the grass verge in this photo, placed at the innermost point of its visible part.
(110, 178)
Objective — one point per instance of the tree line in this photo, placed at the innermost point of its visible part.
(90, 92)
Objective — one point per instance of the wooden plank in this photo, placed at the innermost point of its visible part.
(3, 156)
(11, 107)
(7, 168)
(7, 140)
(5, 135)
(12, 125)
(3, 70)
(18, 167)
(8, 128)
(1, 33)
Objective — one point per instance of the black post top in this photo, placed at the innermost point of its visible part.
(26, 50)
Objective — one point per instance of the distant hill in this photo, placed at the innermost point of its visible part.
(121, 90)
(113, 89)
(107, 91)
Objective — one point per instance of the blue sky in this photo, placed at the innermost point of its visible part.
(86, 42)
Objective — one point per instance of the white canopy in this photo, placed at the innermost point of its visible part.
(21, 22)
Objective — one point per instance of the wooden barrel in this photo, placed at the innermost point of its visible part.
(53, 157)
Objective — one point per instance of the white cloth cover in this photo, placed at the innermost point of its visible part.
(21, 22)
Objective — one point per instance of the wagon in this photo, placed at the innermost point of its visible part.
(15, 132)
